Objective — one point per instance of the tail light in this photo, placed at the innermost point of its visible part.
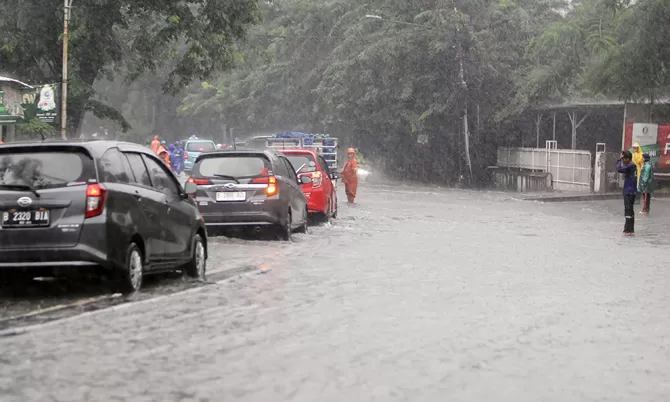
(95, 199)
(317, 179)
(200, 182)
(185, 155)
(270, 181)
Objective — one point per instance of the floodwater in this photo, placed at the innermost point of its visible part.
(415, 294)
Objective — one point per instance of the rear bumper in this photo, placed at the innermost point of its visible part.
(246, 214)
(48, 261)
(317, 202)
(189, 163)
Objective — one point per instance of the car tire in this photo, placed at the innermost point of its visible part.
(197, 267)
(285, 232)
(304, 229)
(131, 275)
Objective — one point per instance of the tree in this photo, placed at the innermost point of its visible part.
(193, 38)
(323, 67)
(612, 48)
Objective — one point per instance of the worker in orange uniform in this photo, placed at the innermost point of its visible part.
(164, 155)
(155, 144)
(349, 175)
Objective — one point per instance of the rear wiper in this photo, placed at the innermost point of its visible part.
(21, 187)
(224, 176)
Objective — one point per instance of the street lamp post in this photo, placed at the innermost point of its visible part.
(63, 101)
(461, 76)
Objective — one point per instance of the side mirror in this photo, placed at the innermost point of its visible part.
(305, 179)
(190, 188)
(336, 176)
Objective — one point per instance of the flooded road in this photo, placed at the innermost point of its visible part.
(416, 294)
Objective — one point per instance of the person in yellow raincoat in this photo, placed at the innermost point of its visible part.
(155, 144)
(638, 159)
(349, 176)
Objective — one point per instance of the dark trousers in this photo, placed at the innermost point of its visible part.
(646, 202)
(629, 213)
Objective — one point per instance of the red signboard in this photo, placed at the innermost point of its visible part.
(663, 163)
(659, 150)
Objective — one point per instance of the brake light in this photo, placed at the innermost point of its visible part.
(95, 199)
(200, 182)
(271, 184)
(185, 155)
(317, 179)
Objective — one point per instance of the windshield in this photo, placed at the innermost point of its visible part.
(300, 160)
(45, 169)
(200, 146)
(233, 165)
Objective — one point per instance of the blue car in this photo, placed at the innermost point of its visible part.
(193, 148)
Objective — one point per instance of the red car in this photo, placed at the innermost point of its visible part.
(321, 194)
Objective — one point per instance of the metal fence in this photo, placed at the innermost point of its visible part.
(570, 169)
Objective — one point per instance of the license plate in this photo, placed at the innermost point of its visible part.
(24, 219)
(231, 196)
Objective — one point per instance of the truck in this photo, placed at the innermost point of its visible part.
(323, 144)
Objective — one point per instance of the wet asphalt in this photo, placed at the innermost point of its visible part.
(415, 294)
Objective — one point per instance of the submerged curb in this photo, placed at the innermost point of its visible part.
(584, 197)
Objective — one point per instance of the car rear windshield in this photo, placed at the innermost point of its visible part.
(306, 161)
(45, 169)
(238, 166)
(200, 146)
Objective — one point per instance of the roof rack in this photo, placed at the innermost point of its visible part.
(326, 147)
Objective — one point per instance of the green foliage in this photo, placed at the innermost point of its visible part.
(607, 48)
(185, 40)
(323, 67)
(36, 128)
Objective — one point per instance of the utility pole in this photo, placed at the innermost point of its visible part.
(461, 75)
(63, 101)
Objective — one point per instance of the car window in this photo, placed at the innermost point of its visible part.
(324, 165)
(139, 170)
(290, 168)
(114, 168)
(257, 144)
(238, 166)
(200, 146)
(280, 168)
(305, 160)
(45, 169)
(160, 177)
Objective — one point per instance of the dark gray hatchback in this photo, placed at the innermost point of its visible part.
(107, 206)
(249, 189)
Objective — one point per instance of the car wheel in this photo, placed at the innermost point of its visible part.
(197, 267)
(305, 227)
(131, 277)
(285, 231)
